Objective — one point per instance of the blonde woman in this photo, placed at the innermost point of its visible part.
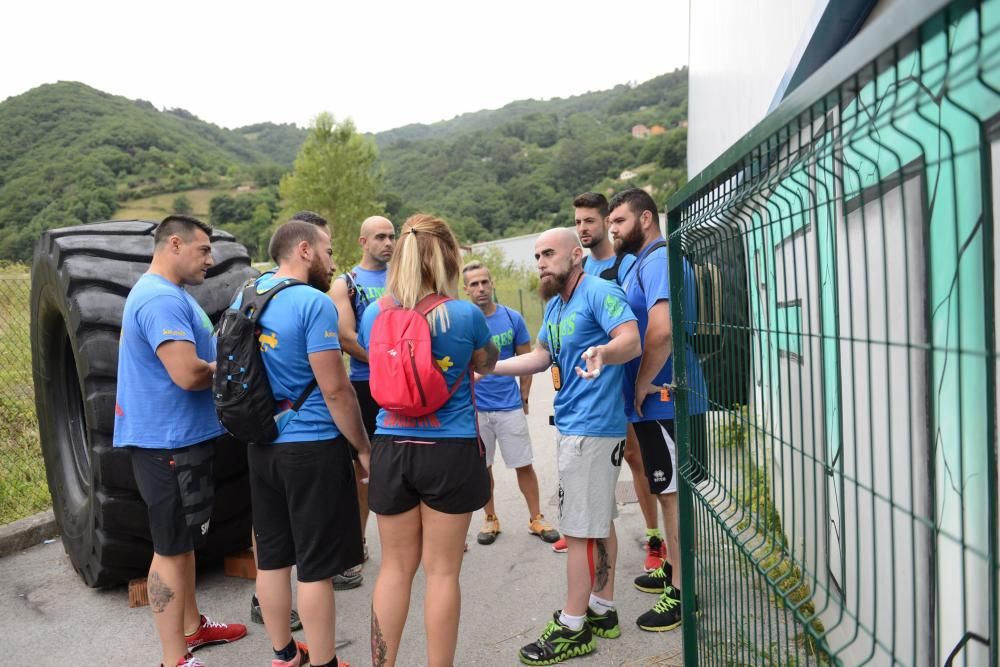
(428, 474)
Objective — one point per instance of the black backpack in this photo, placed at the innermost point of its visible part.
(242, 393)
(357, 294)
(610, 273)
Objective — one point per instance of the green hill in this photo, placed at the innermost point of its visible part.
(71, 154)
(516, 169)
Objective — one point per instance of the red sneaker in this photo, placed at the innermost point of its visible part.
(559, 546)
(188, 661)
(210, 632)
(656, 551)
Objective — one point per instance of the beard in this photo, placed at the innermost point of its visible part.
(554, 283)
(630, 242)
(319, 277)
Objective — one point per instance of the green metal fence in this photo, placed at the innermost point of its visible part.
(23, 488)
(848, 292)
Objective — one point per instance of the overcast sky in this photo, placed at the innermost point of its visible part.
(385, 64)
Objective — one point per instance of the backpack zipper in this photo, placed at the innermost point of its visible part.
(416, 375)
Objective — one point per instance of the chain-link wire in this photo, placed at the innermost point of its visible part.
(846, 326)
(23, 489)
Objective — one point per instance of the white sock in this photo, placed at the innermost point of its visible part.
(572, 622)
(600, 605)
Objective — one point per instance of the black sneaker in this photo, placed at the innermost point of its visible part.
(347, 580)
(604, 625)
(665, 614)
(655, 581)
(257, 617)
(558, 643)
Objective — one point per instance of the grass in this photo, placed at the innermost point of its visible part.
(23, 488)
(767, 547)
(159, 206)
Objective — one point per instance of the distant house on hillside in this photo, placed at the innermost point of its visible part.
(657, 129)
(626, 175)
(682, 123)
(640, 131)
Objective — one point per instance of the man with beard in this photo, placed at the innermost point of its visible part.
(302, 486)
(352, 292)
(591, 217)
(164, 414)
(586, 322)
(590, 213)
(636, 229)
(501, 407)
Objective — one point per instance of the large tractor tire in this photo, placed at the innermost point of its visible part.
(80, 277)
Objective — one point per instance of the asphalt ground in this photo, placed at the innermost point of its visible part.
(509, 591)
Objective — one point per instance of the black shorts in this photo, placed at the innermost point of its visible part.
(446, 474)
(305, 507)
(659, 459)
(369, 409)
(178, 487)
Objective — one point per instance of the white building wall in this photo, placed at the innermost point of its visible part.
(739, 52)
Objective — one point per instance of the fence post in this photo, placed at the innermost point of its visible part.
(689, 621)
(520, 299)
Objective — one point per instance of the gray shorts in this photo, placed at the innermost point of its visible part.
(509, 428)
(588, 473)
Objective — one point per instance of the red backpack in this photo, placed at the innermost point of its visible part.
(404, 376)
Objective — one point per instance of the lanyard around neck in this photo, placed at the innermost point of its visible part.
(557, 338)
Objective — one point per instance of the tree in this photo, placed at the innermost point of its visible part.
(182, 204)
(335, 175)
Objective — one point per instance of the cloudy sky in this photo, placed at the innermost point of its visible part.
(385, 64)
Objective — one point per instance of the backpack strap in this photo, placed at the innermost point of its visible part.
(430, 302)
(638, 272)
(424, 307)
(611, 273)
(254, 304)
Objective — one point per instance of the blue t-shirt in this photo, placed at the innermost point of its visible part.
(655, 286)
(452, 351)
(595, 266)
(150, 410)
(498, 392)
(371, 288)
(586, 407)
(298, 321)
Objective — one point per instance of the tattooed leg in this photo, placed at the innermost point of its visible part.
(167, 586)
(379, 649)
(601, 565)
(160, 595)
(605, 556)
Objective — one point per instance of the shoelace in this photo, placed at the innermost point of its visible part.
(209, 623)
(658, 573)
(192, 662)
(666, 602)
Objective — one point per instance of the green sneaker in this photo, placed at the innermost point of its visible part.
(655, 581)
(604, 625)
(558, 643)
(665, 614)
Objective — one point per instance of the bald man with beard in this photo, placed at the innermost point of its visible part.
(352, 292)
(587, 333)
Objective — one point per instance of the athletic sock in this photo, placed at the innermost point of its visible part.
(572, 622)
(653, 532)
(332, 663)
(600, 605)
(288, 653)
